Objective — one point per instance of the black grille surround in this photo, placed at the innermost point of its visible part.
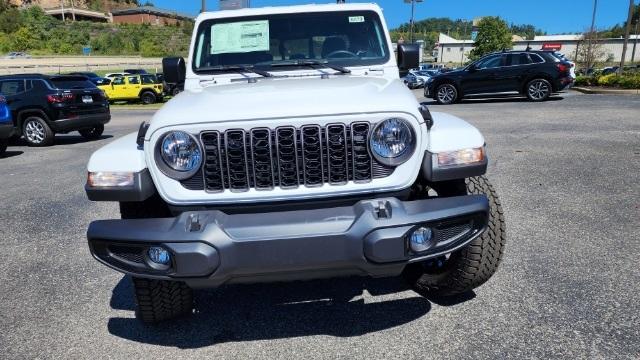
(286, 157)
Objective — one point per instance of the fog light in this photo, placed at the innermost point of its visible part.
(159, 255)
(421, 239)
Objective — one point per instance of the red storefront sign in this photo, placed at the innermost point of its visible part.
(551, 46)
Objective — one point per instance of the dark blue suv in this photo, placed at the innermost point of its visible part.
(6, 124)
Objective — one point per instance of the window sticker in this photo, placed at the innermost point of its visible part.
(240, 37)
(356, 19)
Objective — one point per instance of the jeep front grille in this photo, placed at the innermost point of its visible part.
(286, 157)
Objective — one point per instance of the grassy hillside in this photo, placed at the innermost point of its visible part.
(33, 31)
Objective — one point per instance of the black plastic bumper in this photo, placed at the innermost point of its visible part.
(6, 130)
(80, 122)
(210, 248)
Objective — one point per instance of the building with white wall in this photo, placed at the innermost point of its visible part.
(453, 51)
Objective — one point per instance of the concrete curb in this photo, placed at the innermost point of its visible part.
(586, 90)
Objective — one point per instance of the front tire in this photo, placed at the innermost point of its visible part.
(446, 94)
(93, 133)
(538, 90)
(36, 132)
(159, 300)
(156, 300)
(474, 264)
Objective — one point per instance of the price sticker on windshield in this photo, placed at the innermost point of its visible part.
(356, 19)
(240, 37)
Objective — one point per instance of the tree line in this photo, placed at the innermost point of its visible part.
(34, 31)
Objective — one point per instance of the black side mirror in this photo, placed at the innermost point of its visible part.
(408, 57)
(174, 70)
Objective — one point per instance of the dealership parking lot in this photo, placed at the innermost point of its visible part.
(568, 172)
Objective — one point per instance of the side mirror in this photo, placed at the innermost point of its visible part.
(408, 57)
(174, 70)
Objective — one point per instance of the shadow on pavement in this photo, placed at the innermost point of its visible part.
(10, 153)
(469, 101)
(274, 311)
(76, 139)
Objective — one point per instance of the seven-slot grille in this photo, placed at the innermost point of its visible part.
(286, 157)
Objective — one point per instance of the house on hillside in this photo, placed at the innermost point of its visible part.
(149, 15)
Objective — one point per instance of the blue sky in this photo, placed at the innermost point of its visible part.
(553, 16)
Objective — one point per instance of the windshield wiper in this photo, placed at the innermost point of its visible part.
(312, 64)
(237, 68)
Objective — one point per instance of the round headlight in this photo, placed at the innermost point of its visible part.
(181, 154)
(392, 141)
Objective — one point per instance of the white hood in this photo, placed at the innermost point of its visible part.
(284, 98)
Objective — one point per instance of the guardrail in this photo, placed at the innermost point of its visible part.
(65, 68)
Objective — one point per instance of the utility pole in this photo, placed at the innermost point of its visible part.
(62, 7)
(204, 6)
(73, 11)
(626, 36)
(635, 42)
(589, 53)
(412, 21)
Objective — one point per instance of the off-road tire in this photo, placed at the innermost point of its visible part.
(43, 130)
(159, 300)
(474, 264)
(156, 300)
(451, 96)
(92, 134)
(3, 146)
(148, 98)
(538, 90)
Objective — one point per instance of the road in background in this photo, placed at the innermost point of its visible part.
(567, 171)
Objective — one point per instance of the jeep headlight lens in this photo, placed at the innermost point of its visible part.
(181, 153)
(392, 141)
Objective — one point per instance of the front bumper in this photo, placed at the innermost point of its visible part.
(210, 248)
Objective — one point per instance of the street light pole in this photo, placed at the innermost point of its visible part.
(62, 7)
(204, 6)
(635, 42)
(413, 7)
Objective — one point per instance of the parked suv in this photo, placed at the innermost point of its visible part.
(300, 160)
(6, 125)
(43, 105)
(536, 74)
(144, 88)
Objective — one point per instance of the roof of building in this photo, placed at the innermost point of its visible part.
(152, 10)
(570, 37)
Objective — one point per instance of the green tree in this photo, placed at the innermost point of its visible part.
(493, 35)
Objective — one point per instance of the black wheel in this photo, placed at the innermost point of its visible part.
(3, 146)
(159, 300)
(538, 90)
(446, 94)
(148, 98)
(176, 90)
(472, 265)
(36, 132)
(93, 133)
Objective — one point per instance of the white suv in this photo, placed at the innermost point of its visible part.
(295, 152)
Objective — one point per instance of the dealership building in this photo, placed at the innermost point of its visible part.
(454, 51)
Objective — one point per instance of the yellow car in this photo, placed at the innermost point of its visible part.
(133, 87)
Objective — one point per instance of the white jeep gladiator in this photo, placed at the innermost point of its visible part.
(295, 152)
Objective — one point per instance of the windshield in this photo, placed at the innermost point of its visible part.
(345, 38)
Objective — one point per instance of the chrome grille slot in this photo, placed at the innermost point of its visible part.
(287, 151)
(362, 164)
(212, 168)
(236, 155)
(337, 154)
(262, 156)
(286, 157)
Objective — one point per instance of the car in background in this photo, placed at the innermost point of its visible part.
(6, 125)
(93, 77)
(431, 66)
(113, 75)
(412, 81)
(136, 71)
(42, 106)
(425, 74)
(17, 55)
(134, 87)
(535, 74)
(170, 89)
(610, 70)
(562, 57)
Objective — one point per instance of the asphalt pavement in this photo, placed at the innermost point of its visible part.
(567, 170)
